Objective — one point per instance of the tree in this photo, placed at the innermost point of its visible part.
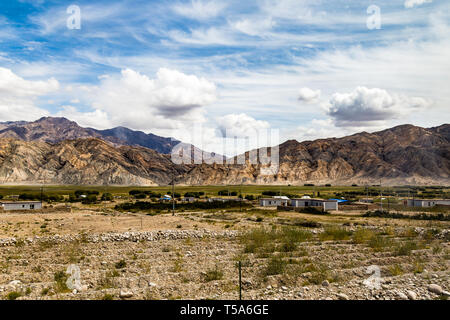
(89, 199)
(107, 197)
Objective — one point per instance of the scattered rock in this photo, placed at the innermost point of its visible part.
(125, 294)
(342, 296)
(411, 295)
(325, 283)
(435, 288)
(402, 296)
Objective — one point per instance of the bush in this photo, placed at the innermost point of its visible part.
(276, 265)
(362, 235)
(405, 248)
(107, 197)
(13, 295)
(213, 274)
(379, 243)
(335, 233)
(90, 199)
(121, 264)
(250, 197)
(60, 278)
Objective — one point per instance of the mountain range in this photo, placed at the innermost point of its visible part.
(59, 151)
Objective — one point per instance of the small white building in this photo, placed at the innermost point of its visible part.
(275, 201)
(223, 199)
(21, 205)
(325, 204)
(366, 200)
(426, 203)
(188, 199)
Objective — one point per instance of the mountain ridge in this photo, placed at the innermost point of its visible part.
(404, 154)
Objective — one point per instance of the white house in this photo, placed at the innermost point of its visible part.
(274, 202)
(21, 205)
(325, 204)
(426, 203)
(366, 200)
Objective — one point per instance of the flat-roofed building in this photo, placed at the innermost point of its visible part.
(21, 205)
(275, 201)
(325, 204)
(427, 203)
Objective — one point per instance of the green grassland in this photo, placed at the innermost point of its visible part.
(210, 191)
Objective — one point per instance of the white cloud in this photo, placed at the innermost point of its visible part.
(254, 27)
(17, 96)
(240, 125)
(200, 9)
(96, 119)
(365, 106)
(308, 95)
(136, 101)
(412, 3)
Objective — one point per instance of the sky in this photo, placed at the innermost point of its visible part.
(306, 69)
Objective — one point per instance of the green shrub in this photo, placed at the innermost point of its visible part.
(213, 274)
(13, 295)
(335, 233)
(121, 264)
(276, 265)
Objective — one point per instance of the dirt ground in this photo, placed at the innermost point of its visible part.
(298, 256)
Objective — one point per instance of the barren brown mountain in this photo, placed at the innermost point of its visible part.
(401, 155)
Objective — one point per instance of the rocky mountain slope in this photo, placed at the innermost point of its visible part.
(52, 129)
(403, 154)
(400, 155)
(83, 161)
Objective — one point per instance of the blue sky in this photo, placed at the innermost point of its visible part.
(311, 69)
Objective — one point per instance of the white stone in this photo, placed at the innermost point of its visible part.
(411, 295)
(342, 296)
(435, 288)
(125, 294)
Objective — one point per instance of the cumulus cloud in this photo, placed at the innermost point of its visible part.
(172, 98)
(240, 125)
(308, 95)
(413, 3)
(17, 96)
(364, 106)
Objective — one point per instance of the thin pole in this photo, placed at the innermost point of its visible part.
(381, 197)
(173, 194)
(240, 280)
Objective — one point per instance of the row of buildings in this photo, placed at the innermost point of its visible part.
(283, 201)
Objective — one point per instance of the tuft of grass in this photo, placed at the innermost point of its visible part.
(107, 297)
(275, 265)
(121, 264)
(362, 235)
(405, 248)
(60, 278)
(213, 274)
(379, 243)
(335, 233)
(395, 270)
(13, 295)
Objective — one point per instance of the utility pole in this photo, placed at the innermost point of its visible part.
(241, 198)
(240, 280)
(381, 197)
(173, 194)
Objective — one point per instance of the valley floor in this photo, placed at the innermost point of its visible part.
(194, 255)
